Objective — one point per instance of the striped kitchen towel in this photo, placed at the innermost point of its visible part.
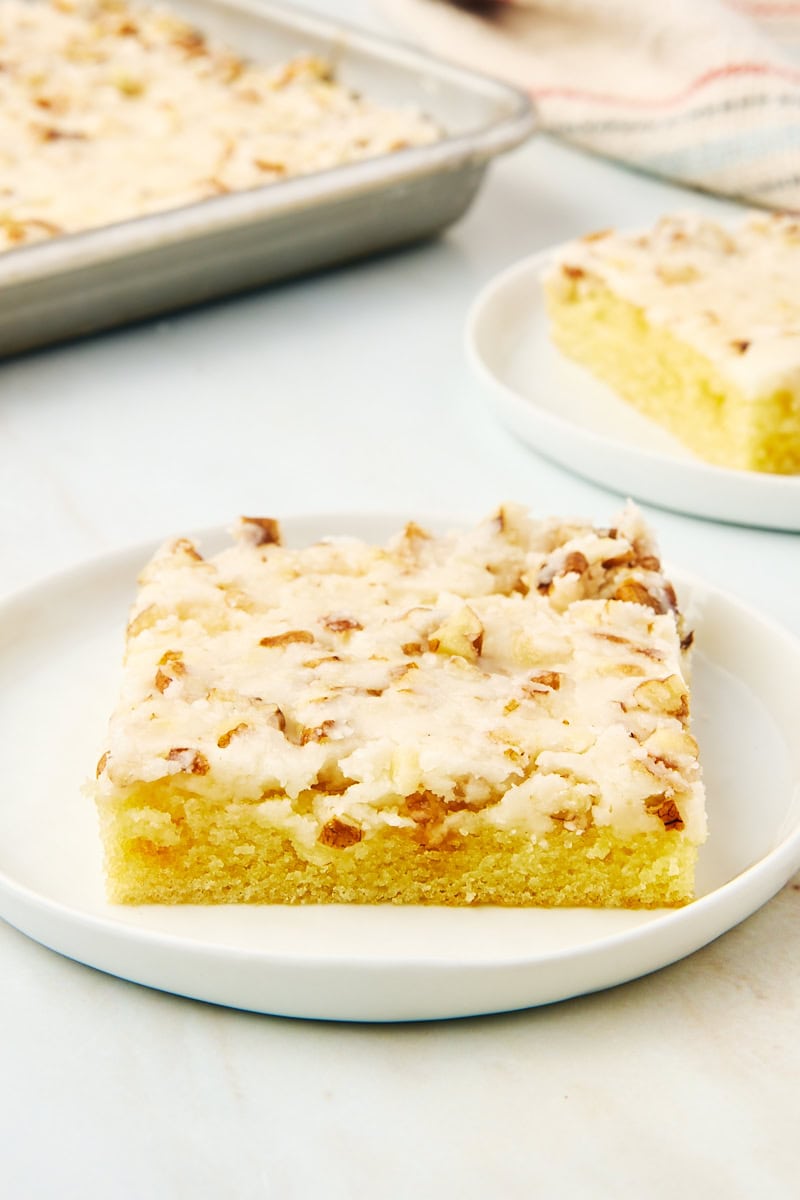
(704, 92)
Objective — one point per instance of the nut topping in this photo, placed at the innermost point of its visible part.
(542, 682)
(341, 624)
(460, 635)
(261, 531)
(226, 738)
(574, 564)
(288, 638)
(663, 695)
(665, 808)
(340, 834)
(634, 592)
(191, 761)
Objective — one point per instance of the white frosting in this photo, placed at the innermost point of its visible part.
(110, 111)
(732, 292)
(492, 669)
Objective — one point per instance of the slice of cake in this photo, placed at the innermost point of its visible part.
(698, 326)
(499, 716)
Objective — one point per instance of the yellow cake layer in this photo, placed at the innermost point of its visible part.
(672, 383)
(201, 852)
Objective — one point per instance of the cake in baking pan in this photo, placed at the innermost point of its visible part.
(113, 110)
(696, 324)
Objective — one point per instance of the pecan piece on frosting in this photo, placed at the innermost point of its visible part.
(320, 733)
(665, 808)
(543, 680)
(663, 695)
(286, 639)
(225, 739)
(338, 623)
(186, 548)
(172, 661)
(191, 761)
(460, 635)
(261, 531)
(633, 592)
(575, 564)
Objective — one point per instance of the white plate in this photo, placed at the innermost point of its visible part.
(60, 646)
(560, 410)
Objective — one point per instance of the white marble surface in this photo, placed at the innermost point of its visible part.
(351, 391)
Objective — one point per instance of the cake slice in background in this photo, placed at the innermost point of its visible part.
(697, 325)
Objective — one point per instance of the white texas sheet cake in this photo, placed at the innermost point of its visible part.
(525, 677)
(110, 111)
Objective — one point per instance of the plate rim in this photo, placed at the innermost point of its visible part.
(763, 878)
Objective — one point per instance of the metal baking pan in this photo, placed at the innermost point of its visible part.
(85, 282)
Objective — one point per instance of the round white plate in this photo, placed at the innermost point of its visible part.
(60, 647)
(560, 410)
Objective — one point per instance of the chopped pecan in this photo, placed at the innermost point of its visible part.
(413, 530)
(665, 808)
(318, 734)
(261, 531)
(340, 624)
(687, 640)
(190, 41)
(460, 635)
(400, 672)
(627, 558)
(548, 680)
(286, 639)
(174, 660)
(634, 592)
(424, 808)
(340, 834)
(663, 695)
(740, 345)
(187, 548)
(273, 168)
(574, 564)
(191, 761)
(225, 739)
